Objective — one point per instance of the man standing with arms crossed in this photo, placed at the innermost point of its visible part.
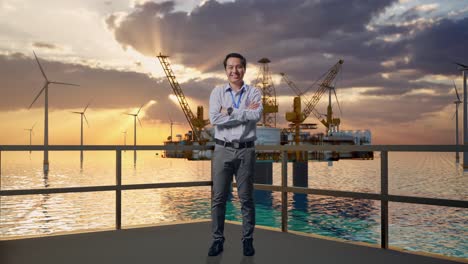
(235, 109)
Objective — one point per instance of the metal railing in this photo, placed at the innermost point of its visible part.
(384, 197)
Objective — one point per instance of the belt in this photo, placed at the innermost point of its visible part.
(236, 145)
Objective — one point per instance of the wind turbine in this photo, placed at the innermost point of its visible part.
(463, 68)
(30, 137)
(82, 114)
(45, 89)
(135, 117)
(125, 138)
(457, 104)
(172, 123)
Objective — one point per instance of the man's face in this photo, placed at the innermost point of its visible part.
(235, 70)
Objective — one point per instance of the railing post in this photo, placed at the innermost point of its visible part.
(384, 200)
(211, 187)
(284, 193)
(118, 191)
(0, 178)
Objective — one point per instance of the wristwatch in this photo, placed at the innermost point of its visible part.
(229, 110)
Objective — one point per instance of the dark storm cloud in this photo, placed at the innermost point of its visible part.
(201, 38)
(295, 35)
(434, 50)
(300, 37)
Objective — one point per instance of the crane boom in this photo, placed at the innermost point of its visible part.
(196, 128)
(299, 93)
(291, 84)
(324, 86)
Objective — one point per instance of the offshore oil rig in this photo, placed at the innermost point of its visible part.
(298, 132)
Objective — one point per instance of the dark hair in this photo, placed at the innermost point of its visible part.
(235, 55)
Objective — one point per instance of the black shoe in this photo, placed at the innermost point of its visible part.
(248, 247)
(216, 248)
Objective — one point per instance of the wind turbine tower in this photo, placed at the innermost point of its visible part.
(30, 137)
(45, 89)
(172, 123)
(82, 114)
(135, 117)
(463, 68)
(457, 104)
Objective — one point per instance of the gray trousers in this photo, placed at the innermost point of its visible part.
(226, 163)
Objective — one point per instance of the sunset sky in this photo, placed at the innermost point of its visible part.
(396, 80)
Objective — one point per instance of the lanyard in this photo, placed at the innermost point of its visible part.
(236, 105)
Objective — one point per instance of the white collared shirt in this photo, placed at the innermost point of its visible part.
(241, 125)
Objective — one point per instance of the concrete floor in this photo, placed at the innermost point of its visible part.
(188, 243)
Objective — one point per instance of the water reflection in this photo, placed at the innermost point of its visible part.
(337, 217)
(300, 202)
(263, 198)
(358, 220)
(44, 205)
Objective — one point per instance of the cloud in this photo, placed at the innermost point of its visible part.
(298, 36)
(301, 38)
(434, 50)
(202, 37)
(45, 45)
(22, 80)
(107, 89)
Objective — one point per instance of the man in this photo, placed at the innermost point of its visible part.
(235, 109)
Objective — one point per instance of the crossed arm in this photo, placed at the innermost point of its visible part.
(220, 117)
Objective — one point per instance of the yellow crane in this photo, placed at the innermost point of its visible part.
(297, 116)
(197, 123)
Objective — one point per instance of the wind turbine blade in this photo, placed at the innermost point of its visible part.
(86, 107)
(459, 64)
(33, 126)
(63, 83)
(453, 114)
(140, 109)
(75, 112)
(139, 121)
(456, 91)
(37, 96)
(86, 119)
(128, 114)
(40, 67)
(338, 102)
